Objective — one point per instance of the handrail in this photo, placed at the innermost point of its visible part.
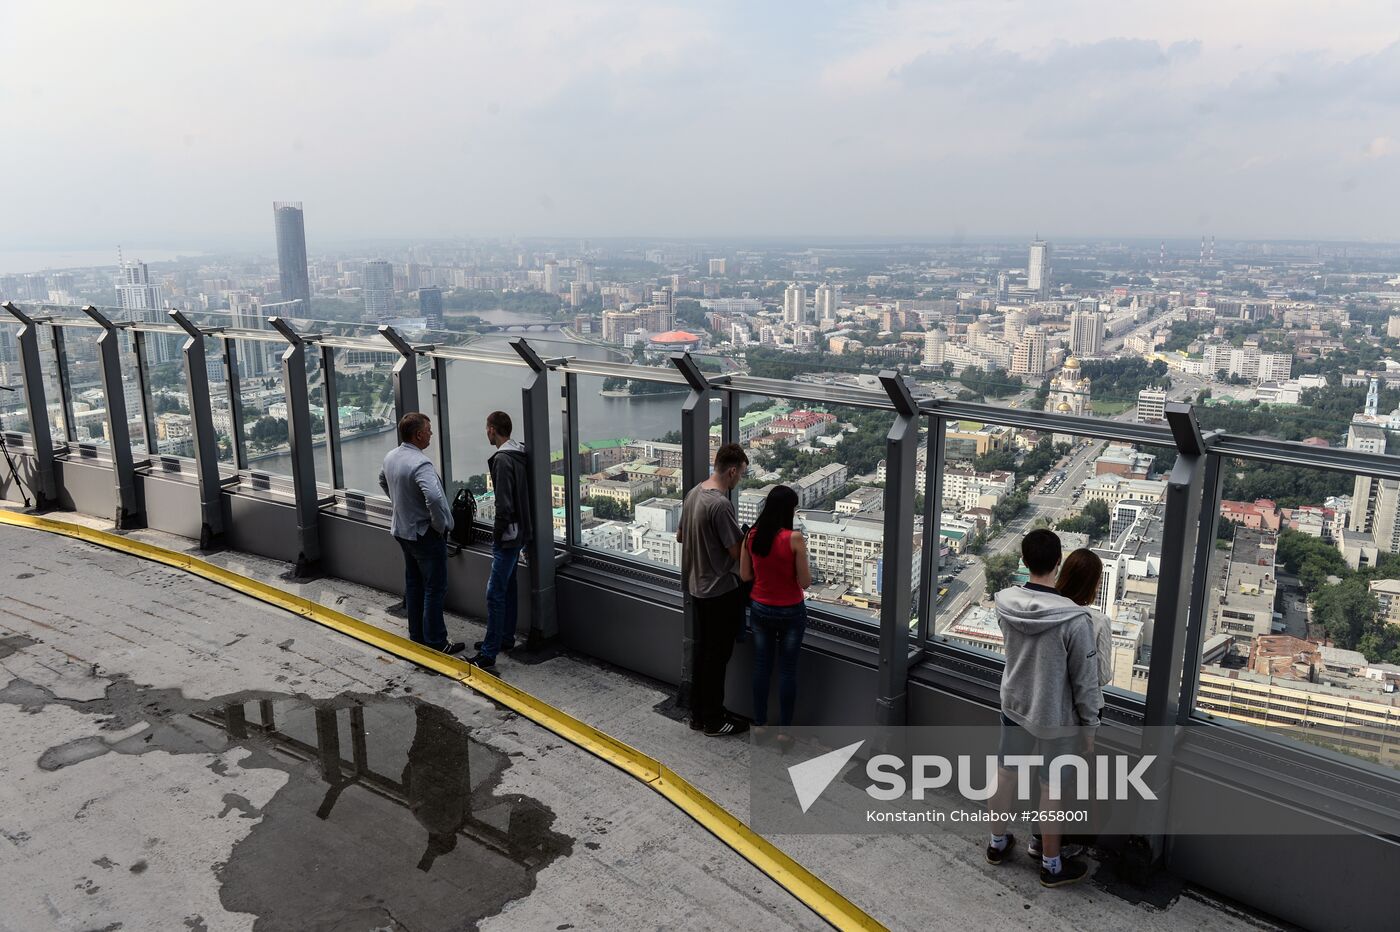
(1242, 446)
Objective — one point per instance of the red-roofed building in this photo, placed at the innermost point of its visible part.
(676, 340)
(801, 426)
(1262, 514)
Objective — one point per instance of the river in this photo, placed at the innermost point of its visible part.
(477, 389)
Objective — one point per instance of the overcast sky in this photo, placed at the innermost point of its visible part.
(179, 123)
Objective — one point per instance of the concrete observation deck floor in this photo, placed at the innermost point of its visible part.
(181, 756)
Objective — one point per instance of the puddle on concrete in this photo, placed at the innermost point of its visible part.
(389, 819)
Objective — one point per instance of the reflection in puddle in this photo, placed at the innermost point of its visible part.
(389, 817)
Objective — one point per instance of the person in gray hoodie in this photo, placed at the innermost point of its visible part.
(1050, 693)
(510, 533)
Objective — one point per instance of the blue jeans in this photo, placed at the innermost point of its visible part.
(776, 629)
(500, 600)
(424, 587)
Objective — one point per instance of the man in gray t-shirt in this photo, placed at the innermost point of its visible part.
(710, 539)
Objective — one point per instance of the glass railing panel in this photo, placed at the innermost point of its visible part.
(1301, 619)
(14, 413)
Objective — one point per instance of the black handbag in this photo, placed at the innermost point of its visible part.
(463, 517)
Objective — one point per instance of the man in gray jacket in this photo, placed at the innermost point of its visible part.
(420, 524)
(1050, 694)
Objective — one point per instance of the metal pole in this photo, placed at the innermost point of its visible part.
(206, 442)
(441, 411)
(65, 397)
(308, 506)
(405, 374)
(935, 459)
(573, 500)
(235, 404)
(1174, 584)
(109, 359)
(332, 399)
(143, 386)
(695, 469)
(896, 570)
(534, 403)
(45, 482)
(1211, 484)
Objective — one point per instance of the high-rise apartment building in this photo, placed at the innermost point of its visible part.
(1013, 326)
(1151, 406)
(826, 302)
(143, 299)
(795, 304)
(291, 253)
(719, 267)
(1086, 333)
(1028, 356)
(1375, 503)
(379, 290)
(934, 341)
(1038, 268)
(551, 277)
(430, 306)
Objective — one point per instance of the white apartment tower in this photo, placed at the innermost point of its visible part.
(144, 300)
(795, 304)
(826, 302)
(1038, 268)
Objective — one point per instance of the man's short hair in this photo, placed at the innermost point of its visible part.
(500, 422)
(410, 424)
(1040, 551)
(730, 456)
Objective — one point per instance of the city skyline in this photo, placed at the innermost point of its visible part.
(1099, 119)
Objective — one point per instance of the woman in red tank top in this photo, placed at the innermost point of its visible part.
(774, 558)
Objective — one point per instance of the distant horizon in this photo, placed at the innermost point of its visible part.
(165, 254)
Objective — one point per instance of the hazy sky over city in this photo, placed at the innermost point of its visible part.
(178, 124)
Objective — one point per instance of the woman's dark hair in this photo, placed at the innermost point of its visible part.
(1079, 576)
(778, 509)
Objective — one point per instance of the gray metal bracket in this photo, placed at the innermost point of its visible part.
(299, 437)
(128, 512)
(45, 484)
(206, 442)
(534, 403)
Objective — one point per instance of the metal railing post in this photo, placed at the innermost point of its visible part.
(45, 479)
(695, 469)
(128, 512)
(1169, 635)
(141, 351)
(235, 404)
(441, 411)
(65, 396)
(308, 506)
(405, 374)
(573, 499)
(534, 403)
(896, 569)
(1211, 483)
(206, 442)
(934, 463)
(331, 393)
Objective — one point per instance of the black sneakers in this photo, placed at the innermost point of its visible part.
(995, 855)
(1067, 851)
(454, 647)
(480, 660)
(726, 728)
(1070, 872)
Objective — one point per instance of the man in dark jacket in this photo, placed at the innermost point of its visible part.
(509, 535)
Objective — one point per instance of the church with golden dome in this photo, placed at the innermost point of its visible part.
(1069, 390)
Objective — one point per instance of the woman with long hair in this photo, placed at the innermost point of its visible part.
(774, 558)
(1079, 580)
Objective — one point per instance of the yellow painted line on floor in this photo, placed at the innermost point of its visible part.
(718, 821)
